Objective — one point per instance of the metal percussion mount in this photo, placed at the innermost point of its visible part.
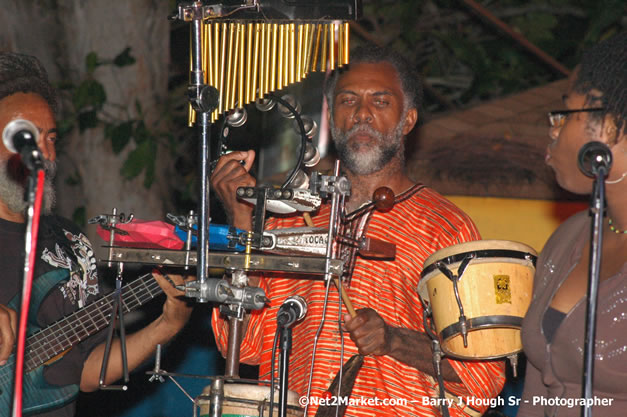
(109, 222)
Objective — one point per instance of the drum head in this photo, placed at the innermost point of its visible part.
(478, 245)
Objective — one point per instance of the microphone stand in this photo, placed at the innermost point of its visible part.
(34, 196)
(597, 211)
(284, 363)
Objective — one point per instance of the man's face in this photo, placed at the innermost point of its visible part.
(13, 173)
(368, 121)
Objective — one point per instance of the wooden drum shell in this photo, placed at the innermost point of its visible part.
(495, 291)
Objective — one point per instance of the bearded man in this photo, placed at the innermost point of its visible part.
(65, 269)
(373, 105)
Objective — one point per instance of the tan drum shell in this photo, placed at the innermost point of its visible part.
(480, 298)
(248, 400)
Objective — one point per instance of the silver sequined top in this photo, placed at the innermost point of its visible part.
(553, 382)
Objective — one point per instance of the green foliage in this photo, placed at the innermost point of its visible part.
(89, 102)
(79, 216)
(119, 134)
(144, 155)
(124, 58)
(466, 58)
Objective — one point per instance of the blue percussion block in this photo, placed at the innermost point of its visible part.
(222, 237)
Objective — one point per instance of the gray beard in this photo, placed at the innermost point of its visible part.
(12, 192)
(365, 160)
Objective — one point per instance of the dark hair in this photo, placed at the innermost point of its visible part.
(410, 80)
(21, 73)
(604, 68)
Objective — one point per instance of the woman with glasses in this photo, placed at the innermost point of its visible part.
(554, 327)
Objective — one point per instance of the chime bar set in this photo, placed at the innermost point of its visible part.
(246, 60)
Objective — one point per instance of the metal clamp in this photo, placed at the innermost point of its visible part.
(463, 321)
(108, 222)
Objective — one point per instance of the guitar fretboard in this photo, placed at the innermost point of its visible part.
(68, 331)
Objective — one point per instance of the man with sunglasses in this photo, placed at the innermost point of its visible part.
(554, 327)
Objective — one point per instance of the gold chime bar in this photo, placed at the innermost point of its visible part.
(241, 75)
(346, 42)
(273, 61)
(250, 43)
(282, 57)
(292, 54)
(245, 60)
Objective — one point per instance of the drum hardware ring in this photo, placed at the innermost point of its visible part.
(463, 322)
(485, 253)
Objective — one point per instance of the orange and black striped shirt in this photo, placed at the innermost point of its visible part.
(420, 223)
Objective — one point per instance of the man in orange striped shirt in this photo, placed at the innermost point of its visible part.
(372, 106)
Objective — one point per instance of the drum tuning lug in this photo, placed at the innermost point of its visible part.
(513, 361)
(463, 327)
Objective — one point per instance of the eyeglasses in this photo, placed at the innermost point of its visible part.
(557, 118)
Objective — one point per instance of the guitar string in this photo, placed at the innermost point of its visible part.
(130, 305)
(51, 335)
(151, 290)
(102, 306)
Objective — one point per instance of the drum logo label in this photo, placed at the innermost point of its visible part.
(502, 290)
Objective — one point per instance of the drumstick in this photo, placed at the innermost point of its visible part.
(338, 284)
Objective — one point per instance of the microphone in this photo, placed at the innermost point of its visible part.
(593, 156)
(20, 135)
(293, 309)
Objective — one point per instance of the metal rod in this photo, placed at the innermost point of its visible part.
(346, 42)
(251, 40)
(292, 54)
(596, 246)
(257, 61)
(279, 84)
(314, 59)
(223, 74)
(241, 93)
(323, 55)
(332, 46)
(300, 52)
(204, 134)
(231, 368)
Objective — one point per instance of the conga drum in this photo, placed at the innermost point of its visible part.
(477, 294)
(248, 400)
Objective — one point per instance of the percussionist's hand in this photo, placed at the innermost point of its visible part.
(176, 309)
(228, 175)
(8, 332)
(369, 332)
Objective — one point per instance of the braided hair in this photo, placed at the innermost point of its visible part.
(604, 68)
(21, 73)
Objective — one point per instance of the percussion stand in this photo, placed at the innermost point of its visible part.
(437, 358)
(203, 99)
(109, 222)
(599, 169)
(235, 313)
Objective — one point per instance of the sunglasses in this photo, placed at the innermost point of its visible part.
(557, 118)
